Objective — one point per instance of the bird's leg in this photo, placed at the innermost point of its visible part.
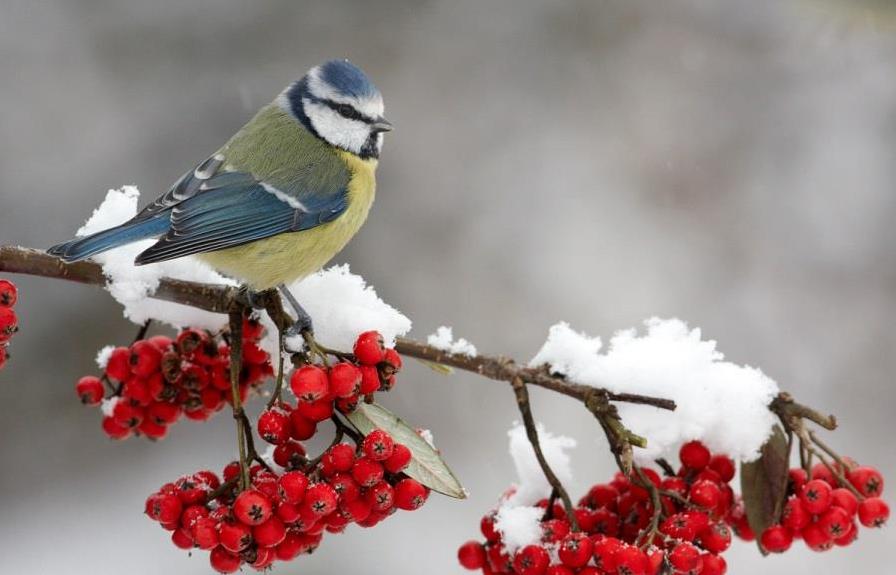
(251, 298)
(303, 326)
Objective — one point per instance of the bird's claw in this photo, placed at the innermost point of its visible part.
(251, 298)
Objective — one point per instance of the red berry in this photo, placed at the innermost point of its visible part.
(776, 539)
(392, 360)
(694, 455)
(381, 496)
(205, 533)
(369, 348)
(316, 411)
(575, 549)
(302, 428)
(554, 530)
(367, 472)
(873, 512)
(182, 539)
(605, 550)
(340, 458)
(845, 500)
(164, 507)
(345, 486)
(724, 466)
(378, 445)
(370, 379)
(127, 415)
(224, 561)
(320, 499)
(399, 460)
(270, 533)
(273, 426)
(816, 538)
(163, 413)
(835, 522)
(631, 561)
(411, 495)
(289, 454)
(119, 365)
(471, 555)
(345, 379)
(487, 527)
(795, 517)
(816, 496)
(113, 429)
(8, 293)
(850, 536)
(531, 560)
(867, 480)
(252, 507)
(820, 471)
(9, 323)
(292, 486)
(309, 383)
(90, 390)
(713, 564)
(705, 494)
(798, 477)
(145, 358)
(716, 538)
(264, 557)
(684, 557)
(358, 508)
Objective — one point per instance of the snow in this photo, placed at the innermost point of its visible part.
(427, 436)
(132, 285)
(107, 406)
(517, 518)
(723, 404)
(519, 526)
(340, 302)
(443, 339)
(103, 355)
(343, 305)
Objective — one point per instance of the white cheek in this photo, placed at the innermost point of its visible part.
(337, 130)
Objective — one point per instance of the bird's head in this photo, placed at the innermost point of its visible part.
(339, 104)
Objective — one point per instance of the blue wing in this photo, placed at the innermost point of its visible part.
(233, 208)
(209, 210)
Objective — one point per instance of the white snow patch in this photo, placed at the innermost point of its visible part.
(443, 339)
(532, 485)
(103, 355)
(343, 306)
(519, 526)
(427, 436)
(720, 403)
(107, 406)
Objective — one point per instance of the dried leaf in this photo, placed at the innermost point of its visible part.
(426, 465)
(764, 483)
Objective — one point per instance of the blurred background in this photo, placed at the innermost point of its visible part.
(730, 163)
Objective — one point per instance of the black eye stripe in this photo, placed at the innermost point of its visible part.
(347, 111)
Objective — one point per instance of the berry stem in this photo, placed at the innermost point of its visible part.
(522, 401)
(278, 387)
(667, 468)
(236, 355)
(647, 536)
(141, 333)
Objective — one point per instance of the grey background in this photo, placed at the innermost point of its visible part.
(731, 163)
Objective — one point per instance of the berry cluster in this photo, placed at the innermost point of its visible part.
(156, 380)
(824, 504)
(9, 323)
(284, 513)
(320, 391)
(620, 530)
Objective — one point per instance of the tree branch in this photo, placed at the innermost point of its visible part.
(225, 299)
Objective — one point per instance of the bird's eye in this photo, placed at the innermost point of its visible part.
(345, 110)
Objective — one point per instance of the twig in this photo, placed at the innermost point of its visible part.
(667, 468)
(522, 401)
(646, 536)
(141, 333)
(225, 299)
(236, 355)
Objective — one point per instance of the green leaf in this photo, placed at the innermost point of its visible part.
(439, 368)
(426, 464)
(763, 483)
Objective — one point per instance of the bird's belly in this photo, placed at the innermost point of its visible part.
(287, 257)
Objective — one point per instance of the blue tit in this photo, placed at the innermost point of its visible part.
(282, 197)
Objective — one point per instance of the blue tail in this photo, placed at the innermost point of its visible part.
(128, 232)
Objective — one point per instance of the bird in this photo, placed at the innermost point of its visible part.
(279, 199)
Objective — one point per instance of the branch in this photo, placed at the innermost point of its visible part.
(225, 299)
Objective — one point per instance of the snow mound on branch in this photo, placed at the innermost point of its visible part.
(342, 306)
(443, 339)
(517, 517)
(132, 285)
(720, 403)
(341, 303)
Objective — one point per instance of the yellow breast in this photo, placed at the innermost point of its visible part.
(287, 257)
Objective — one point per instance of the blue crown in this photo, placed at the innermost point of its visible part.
(348, 79)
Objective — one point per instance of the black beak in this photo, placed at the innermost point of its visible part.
(381, 124)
